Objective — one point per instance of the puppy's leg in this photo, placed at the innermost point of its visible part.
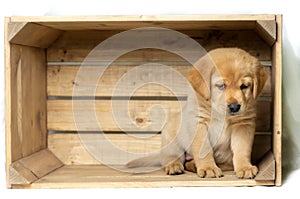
(242, 137)
(203, 155)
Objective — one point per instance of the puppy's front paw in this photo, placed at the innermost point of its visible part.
(247, 172)
(174, 168)
(211, 171)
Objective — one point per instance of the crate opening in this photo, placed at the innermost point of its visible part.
(46, 58)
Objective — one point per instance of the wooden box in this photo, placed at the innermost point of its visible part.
(43, 57)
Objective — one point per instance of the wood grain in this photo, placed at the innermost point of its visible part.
(96, 176)
(28, 100)
(31, 34)
(76, 45)
(176, 25)
(267, 30)
(137, 115)
(13, 28)
(277, 91)
(134, 18)
(266, 167)
(8, 104)
(18, 174)
(33, 167)
(62, 80)
(135, 81)
(76, 151)
(41, 163)
(61, 116)
(136, 21)
(79, 148)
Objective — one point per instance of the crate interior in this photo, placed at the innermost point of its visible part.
(52, 145)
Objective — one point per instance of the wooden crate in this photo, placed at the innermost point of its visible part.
(43, 55)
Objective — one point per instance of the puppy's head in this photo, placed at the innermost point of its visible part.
(229, 77)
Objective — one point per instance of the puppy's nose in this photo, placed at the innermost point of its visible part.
(234, 107)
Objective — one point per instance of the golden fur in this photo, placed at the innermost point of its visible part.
(226, 82)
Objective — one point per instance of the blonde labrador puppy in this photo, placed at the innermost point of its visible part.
(218, 125)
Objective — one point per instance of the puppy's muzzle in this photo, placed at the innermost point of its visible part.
(234, 108)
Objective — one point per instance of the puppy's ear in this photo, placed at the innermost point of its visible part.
(200, 77)
(261, 76)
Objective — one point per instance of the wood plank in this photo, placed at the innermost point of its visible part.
(125, 18)
(18, 174)
(28, 100)
(31, 34)
(142, 115)
(101, 176)
(61, 116)
(41, 163)
(267, 29)
(61, 81)
(78, 150)
(30, 168)
(72, 150)
(9, 128)
(266, 168)
(276, 85)
(175, 25)
(13, 28)
(76, 45)
(135, 21)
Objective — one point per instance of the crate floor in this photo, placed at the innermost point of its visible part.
(87, 176)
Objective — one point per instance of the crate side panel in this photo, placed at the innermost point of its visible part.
(9, 128)
(277, 93)
(28, 100)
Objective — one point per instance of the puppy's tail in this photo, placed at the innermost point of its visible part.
(148, 161)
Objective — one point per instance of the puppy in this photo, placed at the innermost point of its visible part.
(218, 121)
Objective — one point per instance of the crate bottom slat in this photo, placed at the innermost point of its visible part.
(94, 176)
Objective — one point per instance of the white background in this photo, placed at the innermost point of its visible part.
(291, 91)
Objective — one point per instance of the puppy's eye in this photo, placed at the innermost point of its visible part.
(243, 86)
(221, 86)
